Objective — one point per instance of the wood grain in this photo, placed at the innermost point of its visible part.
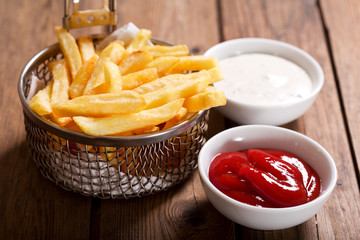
(299, 23)
(31, 206)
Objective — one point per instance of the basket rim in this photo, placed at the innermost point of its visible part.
(136, 140)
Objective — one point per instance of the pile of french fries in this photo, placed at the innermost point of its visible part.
(126, 90)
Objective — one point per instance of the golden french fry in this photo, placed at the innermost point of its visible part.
(163, 64)
(133, 80)
(177, 89)
(216, 74)
(96, 82)
(211, 97)
(163, 81)
(161, 51)
(82, 77)
(70, 50)
(129, 122)
(86, 47)
(123, 92)
(40, 103)
(71, 126)
(195, 63)
(139, 41)
(181, 114)
(135, 62)
(114, 52)
(62, 121)
(61, 82)
(112, 77)
(145, 130)
(176, 119)
(101, 104)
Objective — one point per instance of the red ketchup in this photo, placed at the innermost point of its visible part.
(265, 178)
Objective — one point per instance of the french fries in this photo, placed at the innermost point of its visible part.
(101, 105)
(176, 89)
(136, 79)
(195, 63)
(125, 90)
(82, 77)
(172, 51)
(135, 62)
(163, 64)
(40, 103)
(113, 80)
(86, 47)
(209, 98)
(95, 85)
(129, 122)
(70, 50)
(140, 40)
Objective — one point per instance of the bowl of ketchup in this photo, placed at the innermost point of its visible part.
(266, 177)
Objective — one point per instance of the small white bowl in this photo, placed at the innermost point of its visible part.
(264, 136)
(275, 114)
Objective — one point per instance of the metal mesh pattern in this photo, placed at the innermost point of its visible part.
(107, 171)
(115, 172)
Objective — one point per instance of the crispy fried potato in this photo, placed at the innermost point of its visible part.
(114, 52)
(148, 129)
(136, 79)
(70, 50)
(195, 63)
(176, 119)
(135, 62)
(140, 40)
(123, 92)
(163, 64)
(161, 51)
(216, 74)
(61, 82)
(101, 104)
(82, 77)
(211, 97)
(62, 121)
(129, 122)
(113, 80)
(86, 47)
(163, 81)
(176, 89)
(71, 126)
(40, 103)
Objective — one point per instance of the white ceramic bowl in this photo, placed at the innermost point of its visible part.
(264, 136)
(276, 114)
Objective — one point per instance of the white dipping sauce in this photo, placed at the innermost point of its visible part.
(264, 79)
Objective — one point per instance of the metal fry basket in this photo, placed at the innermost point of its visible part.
(108, 167)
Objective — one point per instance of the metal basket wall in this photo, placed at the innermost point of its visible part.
(108, 167)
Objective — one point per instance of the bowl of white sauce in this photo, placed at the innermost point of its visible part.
(266, 81)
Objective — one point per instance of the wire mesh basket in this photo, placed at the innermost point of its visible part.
(108, 167)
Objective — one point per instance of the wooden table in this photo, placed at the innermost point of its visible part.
(35, 208)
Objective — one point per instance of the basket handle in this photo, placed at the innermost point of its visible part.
(86, 18)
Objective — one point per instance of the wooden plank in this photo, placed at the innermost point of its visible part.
(31, 206)
(182, 212)
(299, 23)
(344, 39)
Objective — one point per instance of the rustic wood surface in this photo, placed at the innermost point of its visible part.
(32, 207)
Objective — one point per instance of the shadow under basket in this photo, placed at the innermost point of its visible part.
(108, 167)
